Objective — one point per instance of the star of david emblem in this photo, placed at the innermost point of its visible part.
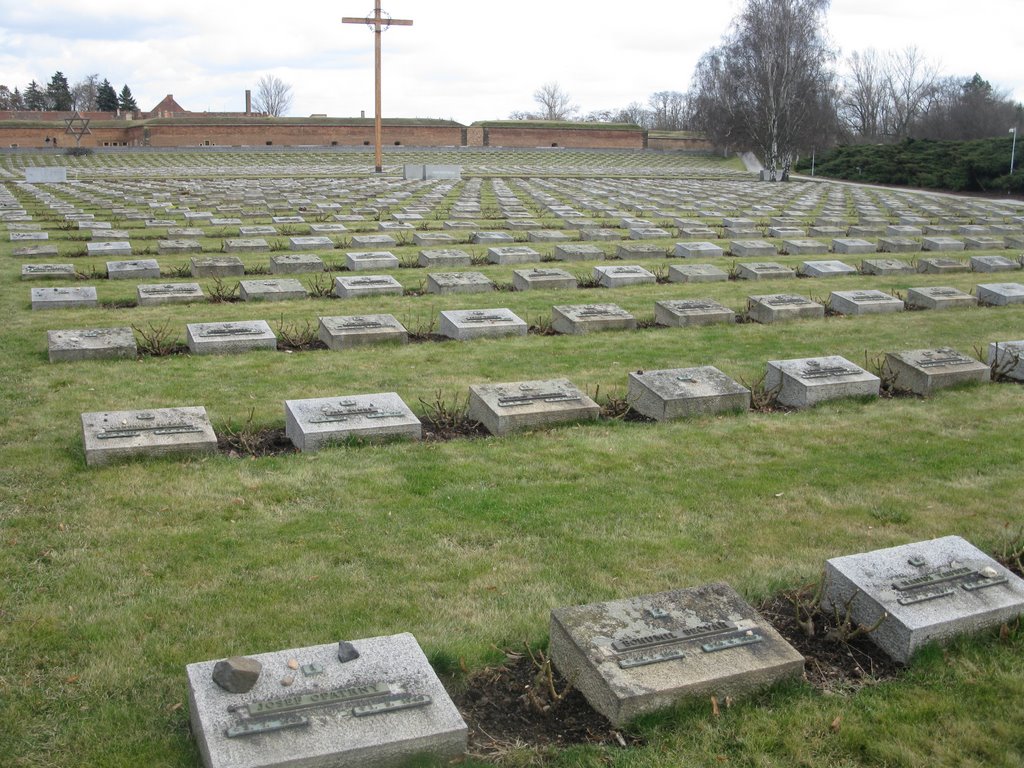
(77, 126)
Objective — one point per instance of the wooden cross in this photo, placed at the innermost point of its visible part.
(379, 21)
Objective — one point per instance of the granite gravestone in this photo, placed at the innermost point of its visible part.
(112, 435)
(680, 392)
(1000, 294)
(642, 654)
(505, 408)
(464, 324)
(90, 344)
(578, 253)
(47, 271)
(869, 302)
(512, 254)
(316, 422)
(696, 273)
(217, 266)
(922, 371)
(1006, 359)
(293, 263)
(279, 289)
(763, 271)
(780, 307)
(939, 297)
(373, 703)
(542, 279)
(343, 332)
(458, 282)
(885, 267)
(619, 276)
(825, 269)
(227, 338)
(152, 295)
(804, 382)
(368, 285)
(682, 313)
(63, 298)
(584, 318)
(444, 257)
(918, 593)
(698, 250)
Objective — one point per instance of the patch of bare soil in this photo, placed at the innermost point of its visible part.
(831, 665)
(511, 706)
(254, 443)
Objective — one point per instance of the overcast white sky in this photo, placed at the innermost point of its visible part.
(462, 59)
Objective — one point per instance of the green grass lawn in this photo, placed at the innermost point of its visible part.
(115, 578)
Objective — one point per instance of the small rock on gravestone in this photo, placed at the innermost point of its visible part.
(237, 674)
(346, 651)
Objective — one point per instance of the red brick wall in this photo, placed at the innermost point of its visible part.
(560, 137)
(686, 144)
(254, 134)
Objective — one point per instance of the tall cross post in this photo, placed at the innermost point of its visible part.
(378, 22)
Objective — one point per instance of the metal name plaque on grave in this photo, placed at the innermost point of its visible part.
(350, 409)
(781, 301)
(359, 323)
(870, 296)
(481, 317)
(944, 292)
(947, 357)
(815, 370)
(165, 289)
(943, 583)
(673, 636)
(254, 727)
(692, 304)
(595, 311)
(317, 699)
(626, 270)
(529, 397)
(232, 330)
(371, 281)
(126, 431)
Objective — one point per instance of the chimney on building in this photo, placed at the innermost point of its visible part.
(248, 102)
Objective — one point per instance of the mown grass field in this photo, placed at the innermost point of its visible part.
(115, 578)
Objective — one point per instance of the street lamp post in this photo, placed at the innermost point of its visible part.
(1013, 148)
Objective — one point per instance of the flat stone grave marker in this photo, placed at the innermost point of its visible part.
(129, 270)
(323, 229)
(618, 276)
(763, 270)
(279, 289)
(826, 231)
(648, 233)
(27, 237)
(993, 264)
(886, 267)
(433, 238)
(314, 423)
(396, 226)
(185, 232)
(1006, 359)
(47, 271)
(151, 295)
(254, 230)
(465, 324)
(585, 318)
(112, 435)
(287, 219)
(697, 233)
(922, 371)
(458, 282)
(826, 269)
(63, 298)
(489, 238)
(683, 313)
(1000, 294)
(182, 245)
(227, 338)
(547, 236)
(940, 265)
(804, 247)
(787, 232)
(462, 225)
(512, 254)
(444, 257)
(870, 302)
(505, 408)
(35, 251)
(939, 297)
(781, 307)
(246, 245)
(852, 245)
(90, 344)
(696, 273)
(928, 591)
(601, 234)
(374, 241)
(217, 266)
(109, 234)
(373, 703)
(370, 260)
(542, 279)
(294, 263)
(940, 244)
(340, 333)
(752, 248)
(110, 248)
(973, 229)
(682, 392)
(642, 654)
(805, 382)
(578, 253)
(898, 245)
(311, 243)
(639, 251)
(368, 285)
(698, 250)
(903, 231)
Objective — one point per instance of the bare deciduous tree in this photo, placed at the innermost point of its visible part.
(668, 110)
(769, 86)
(84, 93)
(864, 104)
(911, 82)
(555, 103)
(273, 96)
